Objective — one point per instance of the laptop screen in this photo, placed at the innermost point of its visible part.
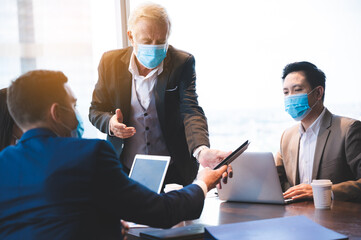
(150, 170)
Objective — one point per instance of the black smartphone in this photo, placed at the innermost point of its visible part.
(233, 155)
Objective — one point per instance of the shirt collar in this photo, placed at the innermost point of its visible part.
(315, 126)
(134, 69)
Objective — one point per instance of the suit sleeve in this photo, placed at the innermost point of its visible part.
(351, 190)
(195, 121)
(101, 108)
(126, 199)
(281, 168)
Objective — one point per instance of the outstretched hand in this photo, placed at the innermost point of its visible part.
(118, 128)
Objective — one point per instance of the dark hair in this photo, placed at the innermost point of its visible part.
(314, 76)
(31, 95)
(6, 121)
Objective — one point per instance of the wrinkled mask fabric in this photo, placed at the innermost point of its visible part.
(150, 56)
(297, 105)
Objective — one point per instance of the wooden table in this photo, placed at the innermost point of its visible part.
(343, 217)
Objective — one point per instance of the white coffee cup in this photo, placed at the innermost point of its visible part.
(322, 193)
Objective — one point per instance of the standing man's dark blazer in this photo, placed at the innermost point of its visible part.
(337, 156)
(182, 120)
(66, 188)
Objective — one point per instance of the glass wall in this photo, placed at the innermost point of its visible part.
(69, 36)
(241, 47)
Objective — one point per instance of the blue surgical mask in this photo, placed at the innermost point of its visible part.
(150, 56)
(297, 105)
(79, 130)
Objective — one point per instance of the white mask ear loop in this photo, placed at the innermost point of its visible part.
(57, 128)
(62, 124)
(316, 101)
(311, 91)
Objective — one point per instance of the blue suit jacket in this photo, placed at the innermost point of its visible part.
(67, 188)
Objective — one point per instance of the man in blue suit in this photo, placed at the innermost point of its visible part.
(54, 186)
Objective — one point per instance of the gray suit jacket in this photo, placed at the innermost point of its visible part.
(182, 120)
(337, 156)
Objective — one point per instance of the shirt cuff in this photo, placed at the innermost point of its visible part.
(202, 185)
(110, 133)
(198, 151)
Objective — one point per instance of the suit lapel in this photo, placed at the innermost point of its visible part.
(160, 88)
(125, 85)
(322, 137)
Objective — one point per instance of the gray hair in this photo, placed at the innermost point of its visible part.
(149, 11)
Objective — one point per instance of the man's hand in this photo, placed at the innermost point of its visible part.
(125, 229)
(211, 157)
(228, 173)
(212, 177)
(301, 191)
(118, 128)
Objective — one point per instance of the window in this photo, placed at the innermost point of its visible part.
(240, 49)
(69, 36)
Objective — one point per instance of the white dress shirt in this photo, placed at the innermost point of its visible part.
(144, 85)
(307, 149)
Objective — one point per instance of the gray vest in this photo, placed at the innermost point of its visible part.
(148, 138)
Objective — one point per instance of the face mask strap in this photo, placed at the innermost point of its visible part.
(314, 104)
(65, 108)
(67, 128)
(62, 124)
(317, 100)
(311, 91)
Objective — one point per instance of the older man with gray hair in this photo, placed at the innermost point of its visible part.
(146, 100)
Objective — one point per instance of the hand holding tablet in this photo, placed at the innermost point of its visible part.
(233, 155)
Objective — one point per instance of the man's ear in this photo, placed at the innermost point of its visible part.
(320, 92)
(131, 37)
(54, 112)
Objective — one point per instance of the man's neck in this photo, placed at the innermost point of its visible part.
(312, 116)
(34, 125)
(46, 124)
(143, 71)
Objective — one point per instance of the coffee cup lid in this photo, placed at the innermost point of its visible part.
(321, 182)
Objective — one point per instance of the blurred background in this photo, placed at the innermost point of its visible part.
(240, 49)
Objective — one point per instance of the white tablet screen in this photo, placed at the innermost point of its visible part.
(150, 170)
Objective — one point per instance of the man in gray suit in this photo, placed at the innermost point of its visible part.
(146, 100)
(323, 145)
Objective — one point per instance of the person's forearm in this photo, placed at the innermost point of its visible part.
(100, 119)
(347, 191)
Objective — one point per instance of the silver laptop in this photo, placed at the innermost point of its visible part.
(150, 170)
(255, 179)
